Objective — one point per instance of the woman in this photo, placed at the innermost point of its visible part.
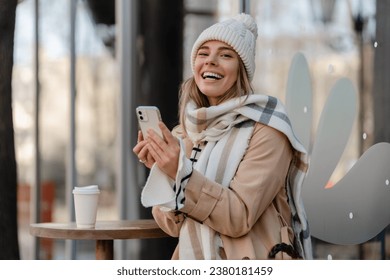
(227, 180)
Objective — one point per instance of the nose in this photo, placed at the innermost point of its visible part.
(211, 59)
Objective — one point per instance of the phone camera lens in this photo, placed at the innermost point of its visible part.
(141, 118)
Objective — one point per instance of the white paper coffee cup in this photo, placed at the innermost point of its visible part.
(86, 204)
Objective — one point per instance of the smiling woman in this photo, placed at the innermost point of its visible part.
(215, 69)
(224, 180)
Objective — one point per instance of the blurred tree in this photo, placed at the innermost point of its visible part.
(381, 87)
(9, 247)
(161, 72)
(103, 14)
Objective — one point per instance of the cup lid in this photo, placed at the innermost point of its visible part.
(92, 189)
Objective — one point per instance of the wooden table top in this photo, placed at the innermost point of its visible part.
(104, 230)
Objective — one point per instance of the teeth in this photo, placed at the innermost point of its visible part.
(210, 75)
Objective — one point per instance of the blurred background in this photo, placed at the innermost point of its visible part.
(82, 66)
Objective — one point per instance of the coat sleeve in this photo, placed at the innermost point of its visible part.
(259, 178)
(169, 221)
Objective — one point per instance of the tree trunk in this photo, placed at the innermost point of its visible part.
(161, 74)
(381, 87)
(381, 73)
(162, 65)
(9, 248)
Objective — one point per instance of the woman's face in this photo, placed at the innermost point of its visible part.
(215, 69)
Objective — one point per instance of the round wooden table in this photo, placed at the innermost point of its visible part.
(105, 232)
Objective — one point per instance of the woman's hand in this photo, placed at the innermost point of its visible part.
(165, 151)
(142, 151)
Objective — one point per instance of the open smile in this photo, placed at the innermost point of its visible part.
(211, 76)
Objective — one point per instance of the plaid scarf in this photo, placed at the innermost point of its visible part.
(227, 129)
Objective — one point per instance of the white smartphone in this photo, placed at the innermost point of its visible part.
(149, 117)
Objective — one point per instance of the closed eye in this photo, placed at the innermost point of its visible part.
(202, 54)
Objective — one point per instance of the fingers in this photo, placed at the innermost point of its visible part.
(165, 151)
(149, 159)
(140, 145)
(168, 137)
(166, 132)
(144, 155)
(154, 151)
(142, 152)
(140, 136)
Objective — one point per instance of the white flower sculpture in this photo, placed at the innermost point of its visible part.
(357, 207)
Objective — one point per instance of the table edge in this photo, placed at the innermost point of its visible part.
(39, 230)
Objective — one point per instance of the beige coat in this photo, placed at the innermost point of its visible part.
(252, 213)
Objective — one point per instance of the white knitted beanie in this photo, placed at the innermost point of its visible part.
(240, 32)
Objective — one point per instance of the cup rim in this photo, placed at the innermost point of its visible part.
(91, 189)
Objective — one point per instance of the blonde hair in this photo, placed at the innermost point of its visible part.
(190, 91)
